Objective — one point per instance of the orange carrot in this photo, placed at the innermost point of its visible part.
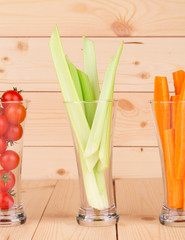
(174, 187)
(178, 78)
(180, 136)
(162, 110)
(174, 102)
(177, 184)
(177, 193)
(168, 160)
(183, 194)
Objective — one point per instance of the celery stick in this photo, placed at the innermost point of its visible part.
(76, 116)
(92, 160)
(101, 111)
(92, 191)
(88, 96)
(90, 107)
(104, 152)
(100, 180)
(89, 62)
(75, 77)
(92, 143)
(94, 181)
(75, 111)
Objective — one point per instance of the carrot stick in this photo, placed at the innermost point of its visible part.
(174, 187)
(177, 184)
(174, 100)
(180, 136)
(178, 78)
(168, 159)
(162, 110)
(177, 193)
(183, 194)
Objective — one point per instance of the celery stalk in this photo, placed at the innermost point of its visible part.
(88, 96)
(75, 77)
(76, 115)
(90, 107)
(92, 191)
(93, 144)
(89, 62)
(104, 152)
(101, 111)
(92, 160)
(75, 111)
(81, 79)
(84, 90)
(100, 180)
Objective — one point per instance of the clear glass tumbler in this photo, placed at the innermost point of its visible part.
(12, 121)
(95, 172)
(169, 119)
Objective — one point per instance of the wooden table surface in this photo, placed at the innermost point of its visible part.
(51, 207)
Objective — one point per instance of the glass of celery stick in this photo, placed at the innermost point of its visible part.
(97, 205)
(91, 113)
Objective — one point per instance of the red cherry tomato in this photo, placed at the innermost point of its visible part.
(14, 132)
(1, 111)
(3, 125)
(10, 95)
(6, 201)
(15, 113)
(3, 144)
(9, 160)
(7, 180)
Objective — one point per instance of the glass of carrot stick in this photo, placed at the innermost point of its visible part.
(169, 118)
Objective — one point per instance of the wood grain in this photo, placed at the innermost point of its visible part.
(147, 228)
(26, 62)
(139, 197)
(35, 197)
(51, 213)
(94, 18)
(60, 163)
(58, 221)
(47, 123)
(139, 204)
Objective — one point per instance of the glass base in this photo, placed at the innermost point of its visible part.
(12, 217)
(172, 217)
(95, 218)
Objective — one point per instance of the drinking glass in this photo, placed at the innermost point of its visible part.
(97, 203)
(169, 119)
(11, 148)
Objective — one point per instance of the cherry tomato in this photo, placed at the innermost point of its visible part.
(15, 113)
(1, 111)
(7, 180)
(14, 132)
(11, 95)
(3, 125)
(9, 160)
(3, 144)
(6, 201)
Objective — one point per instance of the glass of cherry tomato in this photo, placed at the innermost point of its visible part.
(13, 112)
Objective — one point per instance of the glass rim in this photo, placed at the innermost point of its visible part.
(152, 101)
(22, 101)
(96, 101)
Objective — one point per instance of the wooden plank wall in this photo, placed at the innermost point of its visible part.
(153, 32)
